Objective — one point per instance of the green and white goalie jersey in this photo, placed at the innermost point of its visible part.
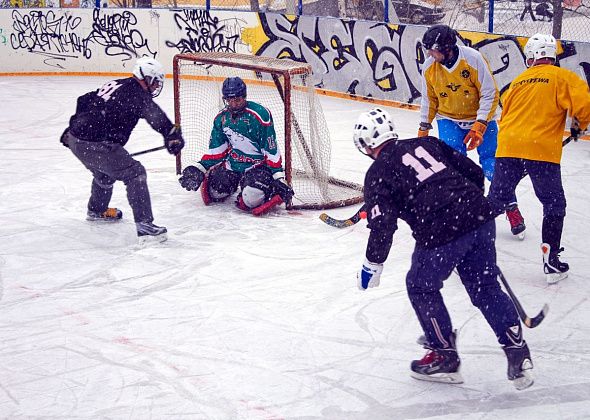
(244, 141)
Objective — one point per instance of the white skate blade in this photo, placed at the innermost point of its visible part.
(150, 239)
(521, 235)
(524, 381)
(447, 378)
(555, 277)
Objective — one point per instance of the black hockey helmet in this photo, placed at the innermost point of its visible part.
(440, 38)
(233, 87)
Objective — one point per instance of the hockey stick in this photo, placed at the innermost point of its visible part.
(569, 139)
(529, 322)
(337, 223)
(143, 152)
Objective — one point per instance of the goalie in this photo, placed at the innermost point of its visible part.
(243, 153)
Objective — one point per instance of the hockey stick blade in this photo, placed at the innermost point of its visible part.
(337, 223)
(527, 321)
(533, 322)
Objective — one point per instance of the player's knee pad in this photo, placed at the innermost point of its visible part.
(253, 197)
(105, 184)
(136, 173)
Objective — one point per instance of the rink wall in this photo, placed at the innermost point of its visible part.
(363, 58)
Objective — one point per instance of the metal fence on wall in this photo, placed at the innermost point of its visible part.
(565, 19)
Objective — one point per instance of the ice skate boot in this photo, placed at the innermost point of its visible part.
(438, 365)
(520, 365)
(555, 270)
(148, 232)
(517, 226)
(109, 215)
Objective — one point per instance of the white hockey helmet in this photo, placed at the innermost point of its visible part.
(372, 129)
(151, 71)
(540, 46)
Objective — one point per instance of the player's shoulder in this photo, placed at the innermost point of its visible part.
(129, 88)
(473, 57)
(260, 112)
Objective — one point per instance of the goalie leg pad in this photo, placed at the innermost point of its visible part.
(259, 178)
(221, 183)
(252, 197)
(267, 206)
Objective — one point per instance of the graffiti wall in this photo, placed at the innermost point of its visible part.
(357, 57)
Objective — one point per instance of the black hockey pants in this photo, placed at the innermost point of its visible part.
(110, 162)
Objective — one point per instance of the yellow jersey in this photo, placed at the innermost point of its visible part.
(535, 108)
(465, 92)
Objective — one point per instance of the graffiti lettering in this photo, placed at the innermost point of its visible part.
(49, 35)
(115, 32)
(2, 37)
(342, 54)
(203, 32)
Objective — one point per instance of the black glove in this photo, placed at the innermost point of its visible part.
(64, 138)
(174, 141)
(575, 129)
(281, 188)
(191, 178)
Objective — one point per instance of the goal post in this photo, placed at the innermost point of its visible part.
(285, 88)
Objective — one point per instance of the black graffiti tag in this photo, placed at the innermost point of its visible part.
(116, 33)
(49, 35)
(203, 33)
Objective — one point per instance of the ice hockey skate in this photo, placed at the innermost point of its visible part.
(555, 270)
(147, 232)
(517, 226)
(109, 215)
(520, 366)
(438, 365)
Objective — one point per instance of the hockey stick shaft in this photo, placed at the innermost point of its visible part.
(143, 152)
(529, 322)
(569, 139)
(352, 220)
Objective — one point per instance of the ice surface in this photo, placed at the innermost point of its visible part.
(238, 317)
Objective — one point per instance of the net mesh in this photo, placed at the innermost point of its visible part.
(285, 88)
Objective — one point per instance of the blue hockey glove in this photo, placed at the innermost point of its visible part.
(174, 141)
(191, 178)
(369, 276)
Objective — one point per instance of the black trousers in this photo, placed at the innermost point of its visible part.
(108, 163)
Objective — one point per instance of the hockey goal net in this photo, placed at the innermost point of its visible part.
(285, 88)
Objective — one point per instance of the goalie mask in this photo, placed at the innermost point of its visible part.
(151, 72)
(372, 129)
(234, 94)
(540, 46)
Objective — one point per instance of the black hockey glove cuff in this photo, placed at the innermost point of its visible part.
(575, 129)
(64, 138)
(281, 188)
(174, 141)
(191, 178)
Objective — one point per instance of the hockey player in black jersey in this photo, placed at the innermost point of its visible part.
(439, 193)
(98, 132)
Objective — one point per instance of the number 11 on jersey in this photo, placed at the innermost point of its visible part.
(422, 171)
